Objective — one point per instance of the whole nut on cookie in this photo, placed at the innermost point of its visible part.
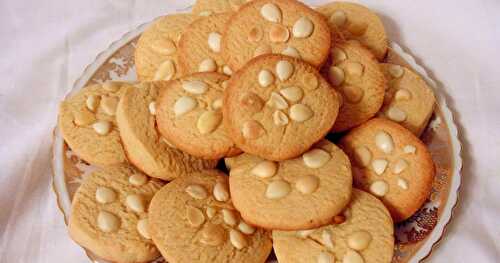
(143, 228)
(338, 18)
(362, 156)
(396, 71)
(211, 212)
(252, 129)
(220, 192)
(409, 149)
(102, 127)
(165, 71)
(184, 105)
(212, 235)
(338, 55)
(354, 69)
(195, 86)
(277, 102)
(277, 189)
(284, 70)
(271, 12)
(237, 239)
(316, 158)
(92, 102)
(135, 203)
(402, 183)
(207, 65)
(265, 169)
(83, 118)
(303, 28)
(214, 39)
(152, 108)
(229, 217)
(194, 216)
(293, 94)
(246, 228)
(138, 179)
(379, 188)
(196, 191)
(396, 114)
(217, 104)
(300, 113)
(399, 166)
(291, 52)
(384, 142)
(105, 195)
(107, 221)
(280, 118)
(379, 166)
(352, 257)
(251, 102)
(209, 121)
(164, 46)
(278, 34)
(352, 94)
(325, 257)
(227, 70)
(357, 29)
(307, 184)
(402, 94)
(336, 76)
(359, 240)
(265, 78)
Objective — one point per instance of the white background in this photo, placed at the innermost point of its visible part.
(45, 45)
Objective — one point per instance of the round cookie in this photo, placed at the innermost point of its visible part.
(143, 145)
(356, 74)
(363, 234)
(277, 106)
(192, 220)
(109, 215)
(208, 7)
(200, 46)
(189, 115)
(276, 26)
(350, 21)
(156, 51)
(391, 163)
(88, 125)
(300, 193)
(408, 100)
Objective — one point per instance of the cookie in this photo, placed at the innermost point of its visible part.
(300, 193)
(200, 46)
(408, 100)
(364, 233)
(156, 53)
(88, 125)
(350, 21)
(143, 145)
(276, 26)
(109, 215)
(391, 163)
(192, 220)
(209, 7)
(277, 107)
(189, 115)
(356, 74)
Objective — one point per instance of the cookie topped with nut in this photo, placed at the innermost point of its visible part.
(356, 75)
(111, 207)
(189, 115)
(300, 193)
(200, 46)
(156, 53)
(351, 21)
(276, 27)
(391, 163)
(277, 107)
(192, 219)
(408, 100)
(144, 146)
(88, 125)
(363, 233)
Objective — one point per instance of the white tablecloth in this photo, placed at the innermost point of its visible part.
(45, 45)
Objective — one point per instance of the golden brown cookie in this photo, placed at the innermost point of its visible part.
(144, 146)
(88, 125)
(200, 46)
(277, 107)
(350, 21)
(391, 163)
(156, 53)
(192, 219)
(408, 100)
(363, 234)
(356, 74)
(276, 26)
(209, 7)
(189, 116)
(109, 215)
(300, 193)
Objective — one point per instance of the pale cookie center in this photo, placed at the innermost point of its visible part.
(107, 221)
(265, 169)
(105, 195)
(196, 191)
(303, 28)
(316, 158)
(384, 142)
(277, 189)
(271, 12)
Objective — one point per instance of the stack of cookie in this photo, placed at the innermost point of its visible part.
(251, 89)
